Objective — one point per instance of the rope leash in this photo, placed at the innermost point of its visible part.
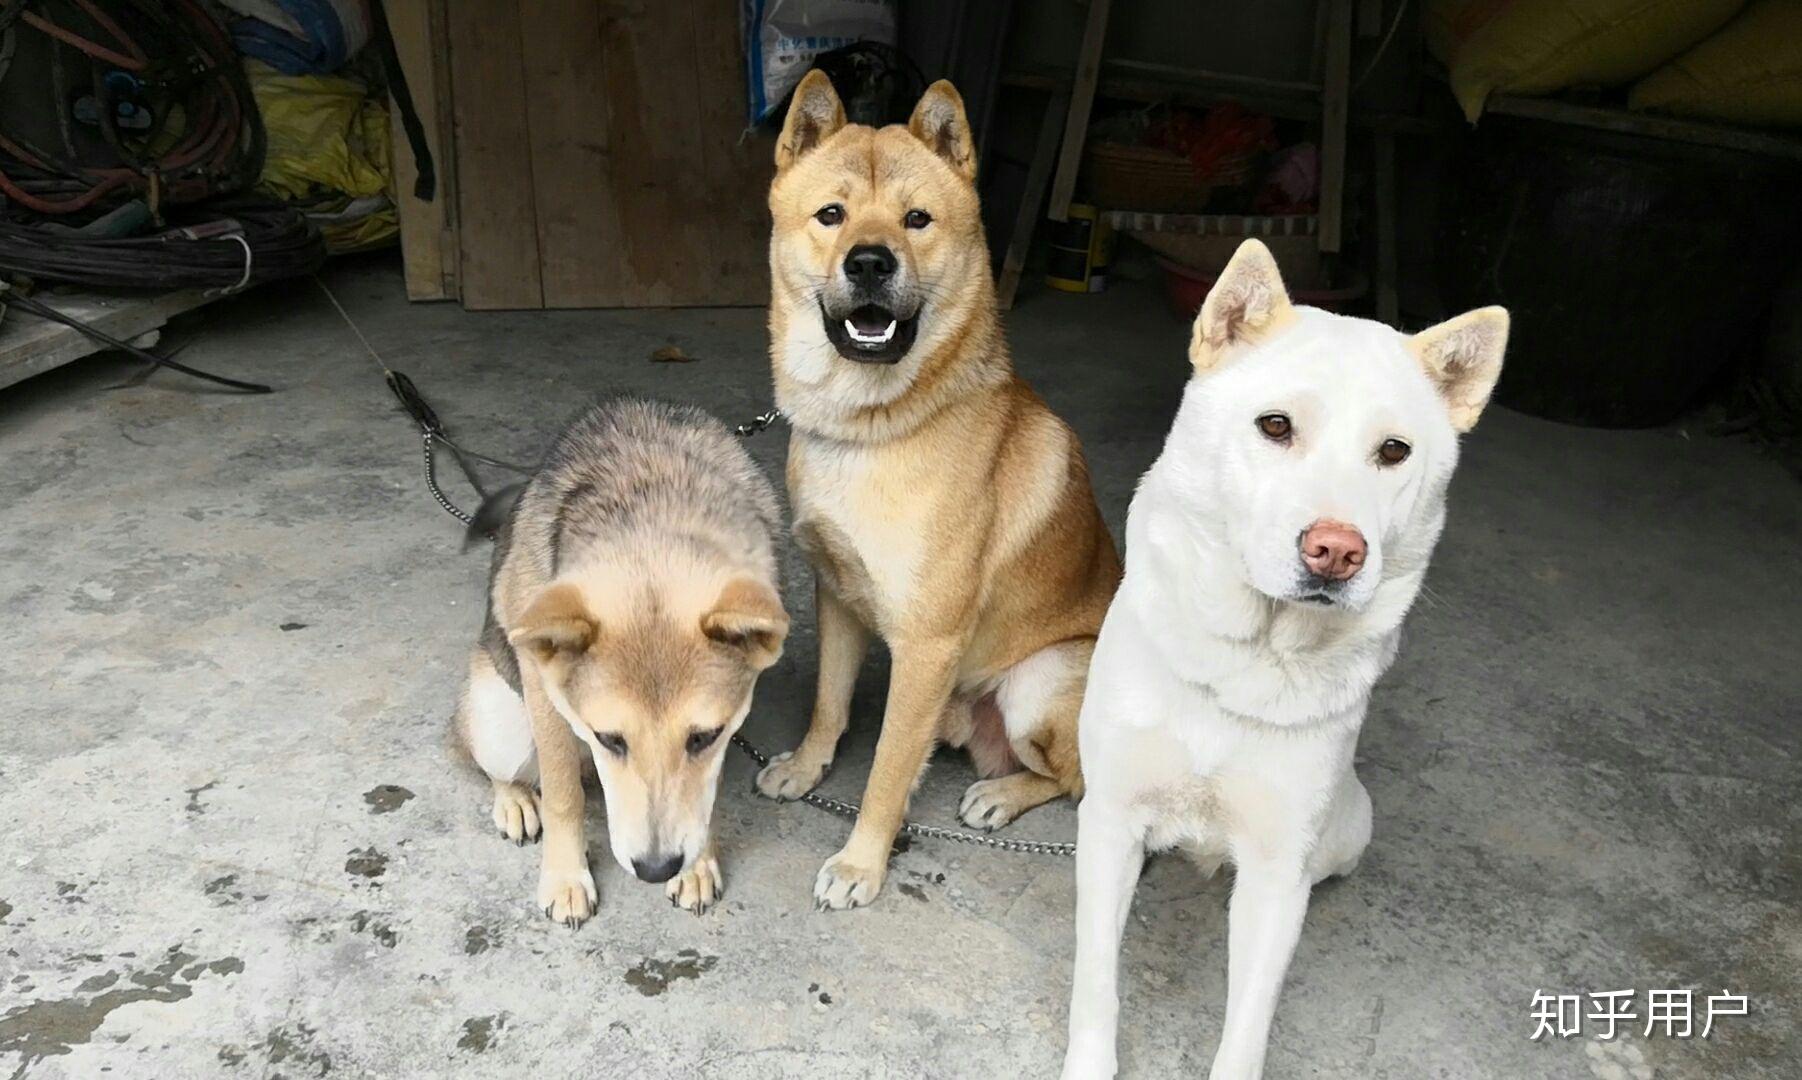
(431, 431)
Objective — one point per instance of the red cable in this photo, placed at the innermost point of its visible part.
(106, 23)
(76, 41)
(207, 147)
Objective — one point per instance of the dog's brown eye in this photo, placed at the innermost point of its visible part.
(701, 740)
(1275, 426)
(917, 219)
(613, 744)
(1393, 452)
(830, 214)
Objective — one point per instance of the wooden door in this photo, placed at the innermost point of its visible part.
(599, 155)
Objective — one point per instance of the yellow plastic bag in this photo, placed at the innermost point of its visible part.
(1748, 73)
(328, 148)
(1539, 46)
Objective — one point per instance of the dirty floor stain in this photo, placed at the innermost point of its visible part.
(54, 1027)
(194, 794)
(386, 798)
(652, 976)
(479, 1032)
(478, 940)
(366, 862)
(293, 1047)
(378, 929)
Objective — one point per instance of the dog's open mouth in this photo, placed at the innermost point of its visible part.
(870, 334)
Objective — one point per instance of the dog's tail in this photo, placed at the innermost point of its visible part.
(493, 515)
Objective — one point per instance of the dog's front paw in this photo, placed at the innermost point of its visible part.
(696, 888)
(842, 884)
(788, 777)
(566, 897)
(1089, 1059)
(516, 812)
(1230, 1066)
(990, 804)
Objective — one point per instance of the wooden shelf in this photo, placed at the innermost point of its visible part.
(1697, 132)
(29, 345)
(1155, 84)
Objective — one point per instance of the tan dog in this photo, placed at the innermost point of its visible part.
(943, 506)
(631, 607)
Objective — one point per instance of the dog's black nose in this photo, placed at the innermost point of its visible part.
(658, 869)
(869, 265)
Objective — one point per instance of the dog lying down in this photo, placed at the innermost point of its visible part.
(632, 603)
(1272, 552)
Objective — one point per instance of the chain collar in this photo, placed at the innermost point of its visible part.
(758, 423)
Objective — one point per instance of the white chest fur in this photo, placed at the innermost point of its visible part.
(1192, 772)
(861, 519)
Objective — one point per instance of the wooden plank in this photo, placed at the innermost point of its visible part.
(1388, 227)
(1082, 99)
(645, 194)
(496, 217)
(450, 238)
(30, 345)
(1173, 74)
(1213, 224)
(427, 240)
(1653, 127)
(1032, 198)
(1335, 102)
(737, 255)
(573, 151)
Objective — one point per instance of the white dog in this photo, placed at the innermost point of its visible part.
(1271, 554)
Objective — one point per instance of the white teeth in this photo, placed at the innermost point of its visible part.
(870, 339)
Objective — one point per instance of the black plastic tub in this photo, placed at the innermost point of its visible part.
(1634, 268)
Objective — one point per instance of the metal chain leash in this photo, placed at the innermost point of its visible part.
(431, 484)
(913, 828)
(758, 423)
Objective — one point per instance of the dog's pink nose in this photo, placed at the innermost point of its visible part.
(1333, 550)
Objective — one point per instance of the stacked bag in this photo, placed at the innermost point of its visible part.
(1749, 72)
(1723, 60)
(327, 123)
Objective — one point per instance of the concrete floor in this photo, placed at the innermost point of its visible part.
(233, 630)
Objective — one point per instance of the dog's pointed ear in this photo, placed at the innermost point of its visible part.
(558, 622)
(940, 123)
(1463, 357)
(1247, 300)
(814, 115)
(748, 615)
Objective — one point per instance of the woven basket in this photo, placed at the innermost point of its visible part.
(1142, 178)
(1234, 170)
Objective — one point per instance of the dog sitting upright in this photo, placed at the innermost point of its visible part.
(631, 607)
(1271, 553)
(943, 506)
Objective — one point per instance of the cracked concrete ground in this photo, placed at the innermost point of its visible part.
(236, 846)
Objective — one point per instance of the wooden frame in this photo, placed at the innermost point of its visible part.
(428, 236)
(587, 159)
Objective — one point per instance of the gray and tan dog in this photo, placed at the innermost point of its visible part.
(631, 606)
(943, 506)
